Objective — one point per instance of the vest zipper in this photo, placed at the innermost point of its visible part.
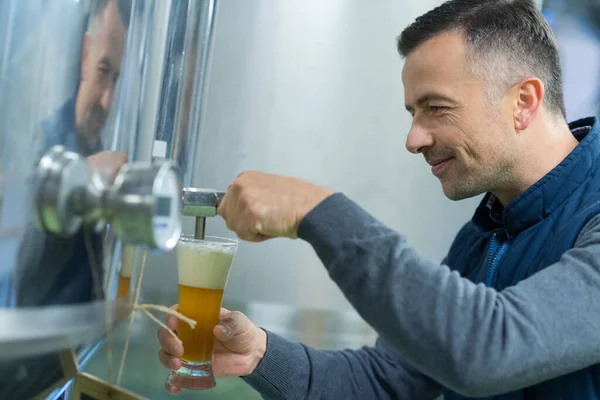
(498, 247)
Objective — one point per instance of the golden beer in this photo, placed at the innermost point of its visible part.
(203, 267)
(123, 289)
(201, 305)
(127, 260)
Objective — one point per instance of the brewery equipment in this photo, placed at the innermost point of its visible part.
(100, 109)
(142, 205)
(201, 203)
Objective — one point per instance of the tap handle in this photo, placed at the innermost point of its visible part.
(201, 202)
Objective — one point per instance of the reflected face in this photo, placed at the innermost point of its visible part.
(464, 135)
(103, 51)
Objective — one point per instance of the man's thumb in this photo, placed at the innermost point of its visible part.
(223, 332)
(231, 324)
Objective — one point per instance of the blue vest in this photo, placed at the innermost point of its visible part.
(502, 246)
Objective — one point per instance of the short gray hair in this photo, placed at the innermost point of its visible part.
(507, 40)
(97, 7)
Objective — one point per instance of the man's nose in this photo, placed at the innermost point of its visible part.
(107, 98)
(419, 139)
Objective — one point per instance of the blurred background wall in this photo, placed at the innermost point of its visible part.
(576, 24)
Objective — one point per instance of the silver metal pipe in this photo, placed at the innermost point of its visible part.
(200, 228)
(154, 69)
(204, 52)
(185, 66)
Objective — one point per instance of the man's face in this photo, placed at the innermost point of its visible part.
(101, 64)
(469, 142)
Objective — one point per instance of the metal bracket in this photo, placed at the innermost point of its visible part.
(87, 386)
(70, 367)
(201, 203)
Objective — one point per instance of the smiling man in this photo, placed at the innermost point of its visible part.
(510, 313)
(78, 123)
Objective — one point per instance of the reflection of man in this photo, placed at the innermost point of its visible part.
(77, 126)
(61, 269)
(54, 270)
(512, 311)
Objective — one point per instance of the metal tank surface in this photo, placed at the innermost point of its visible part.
(78, 185)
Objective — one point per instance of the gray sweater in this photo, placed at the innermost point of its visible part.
(418, 304)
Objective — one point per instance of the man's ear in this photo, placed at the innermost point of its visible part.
(85, 49)
(528, 102)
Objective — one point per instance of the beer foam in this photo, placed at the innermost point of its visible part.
(204, 265)
(127, 260)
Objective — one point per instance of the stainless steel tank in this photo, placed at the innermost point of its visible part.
(82, 86)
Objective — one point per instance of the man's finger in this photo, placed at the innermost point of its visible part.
(223, 313)
(232, 324)
(222, 334)
(173, 321)
(257, 237)
(222, 209)
(219, 331)
(168, 361)
(172, 389)
(169, 344)
(246, 234)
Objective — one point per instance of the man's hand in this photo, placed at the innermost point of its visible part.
(107, 163)
(239, 346)
(260, 206)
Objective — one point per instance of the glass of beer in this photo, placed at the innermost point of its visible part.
(127, 261)
(203, 268)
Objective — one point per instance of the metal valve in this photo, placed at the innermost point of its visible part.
(201, 203)
(143, 205)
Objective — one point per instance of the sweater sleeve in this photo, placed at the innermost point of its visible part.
(450, 328)
(292, 370)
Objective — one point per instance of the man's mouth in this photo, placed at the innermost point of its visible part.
(99, 117)
(439, 166)
(99, 121)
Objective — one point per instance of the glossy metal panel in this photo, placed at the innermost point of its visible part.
(61, 64)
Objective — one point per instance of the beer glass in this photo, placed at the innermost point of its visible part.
(127, 260)
(203, 268)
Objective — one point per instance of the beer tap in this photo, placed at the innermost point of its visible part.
(142, 204)
(201, 203)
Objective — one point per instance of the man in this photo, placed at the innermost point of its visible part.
(61, 268)
(510, 313)
(78, 123)
(77, 126)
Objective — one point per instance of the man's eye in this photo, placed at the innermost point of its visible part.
(437, 109)
(103, 70)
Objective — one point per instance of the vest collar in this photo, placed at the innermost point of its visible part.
(547, 194)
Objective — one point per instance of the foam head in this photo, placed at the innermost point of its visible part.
(127, 259)
(206, 263)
